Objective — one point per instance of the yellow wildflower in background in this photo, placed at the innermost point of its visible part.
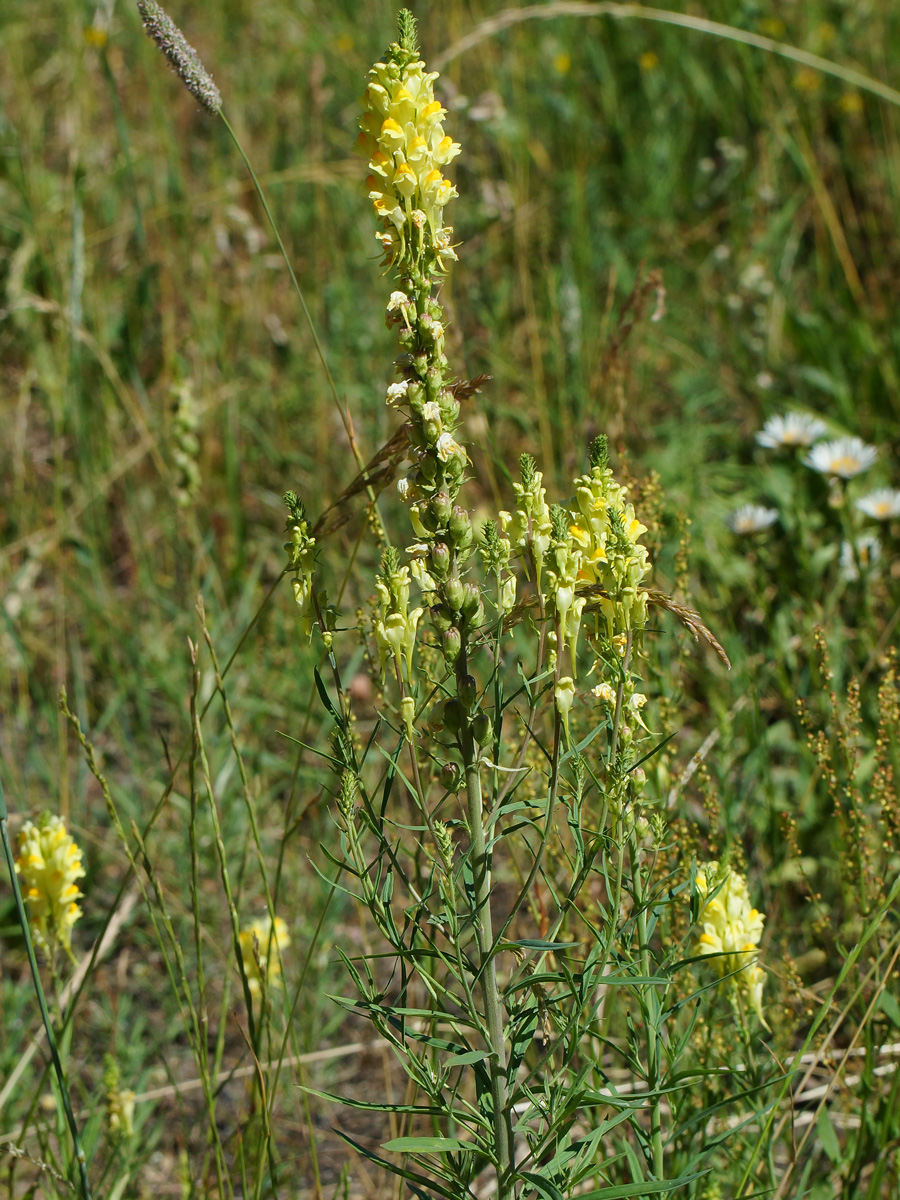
(49, 863)
(262, 946)
(731, 929)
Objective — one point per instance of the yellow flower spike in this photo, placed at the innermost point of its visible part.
(731, 929)
(403, 121)
(49, 862)
(261, 947)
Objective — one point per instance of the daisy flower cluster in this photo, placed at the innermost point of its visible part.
(49, 862)
(730, 928)
(838, 460)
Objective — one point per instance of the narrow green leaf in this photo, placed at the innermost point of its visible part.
(827, 1136)
(542, 1185)
(426, 1145)
(650, 1187)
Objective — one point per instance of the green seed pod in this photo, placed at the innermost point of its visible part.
(454, 717)
(441, 508)
(467, 690)
(481, 728)
(460, 526)
(441, 617)
(439, 562)
(451, 644)
(472, 599)
(455, 593)
(450, 777)
(433, 380)
(435, 722)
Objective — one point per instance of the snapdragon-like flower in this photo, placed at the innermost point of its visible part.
(882, 504)
(608, 534)
(395, 628)
(751, 518)
(262, 943)
(842, 458)
(731, 928)
(529, 528)
(49, 863)
(402, 137)
(794, 429)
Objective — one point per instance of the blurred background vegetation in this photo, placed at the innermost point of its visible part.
(159, 392)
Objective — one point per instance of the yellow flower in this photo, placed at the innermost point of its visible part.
(731, 929)
(649, 60)
(49, 862)
(807, 80)
(261, 946)
(404, 141)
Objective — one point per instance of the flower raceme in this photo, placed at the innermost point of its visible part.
(49, 863)
(261, 945)
(403, 138)
(730, 928)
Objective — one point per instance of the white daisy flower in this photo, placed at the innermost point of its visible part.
(882, 504)
(845, 457)
(795, 429)
(866, 551)
(751, 518)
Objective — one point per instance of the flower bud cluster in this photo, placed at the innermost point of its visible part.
(301, 560)
(49, 863)
(607, 533)
(403, 139)
(395, 628)
(496, 551)
(731, 929)
(529, 528)
(261, 945)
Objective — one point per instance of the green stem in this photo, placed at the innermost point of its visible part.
(490, 991)
(653, 1055)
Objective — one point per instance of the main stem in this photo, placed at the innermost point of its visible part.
(490, 992)
(652, 1010)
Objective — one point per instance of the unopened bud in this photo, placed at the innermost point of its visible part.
(408, 714)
